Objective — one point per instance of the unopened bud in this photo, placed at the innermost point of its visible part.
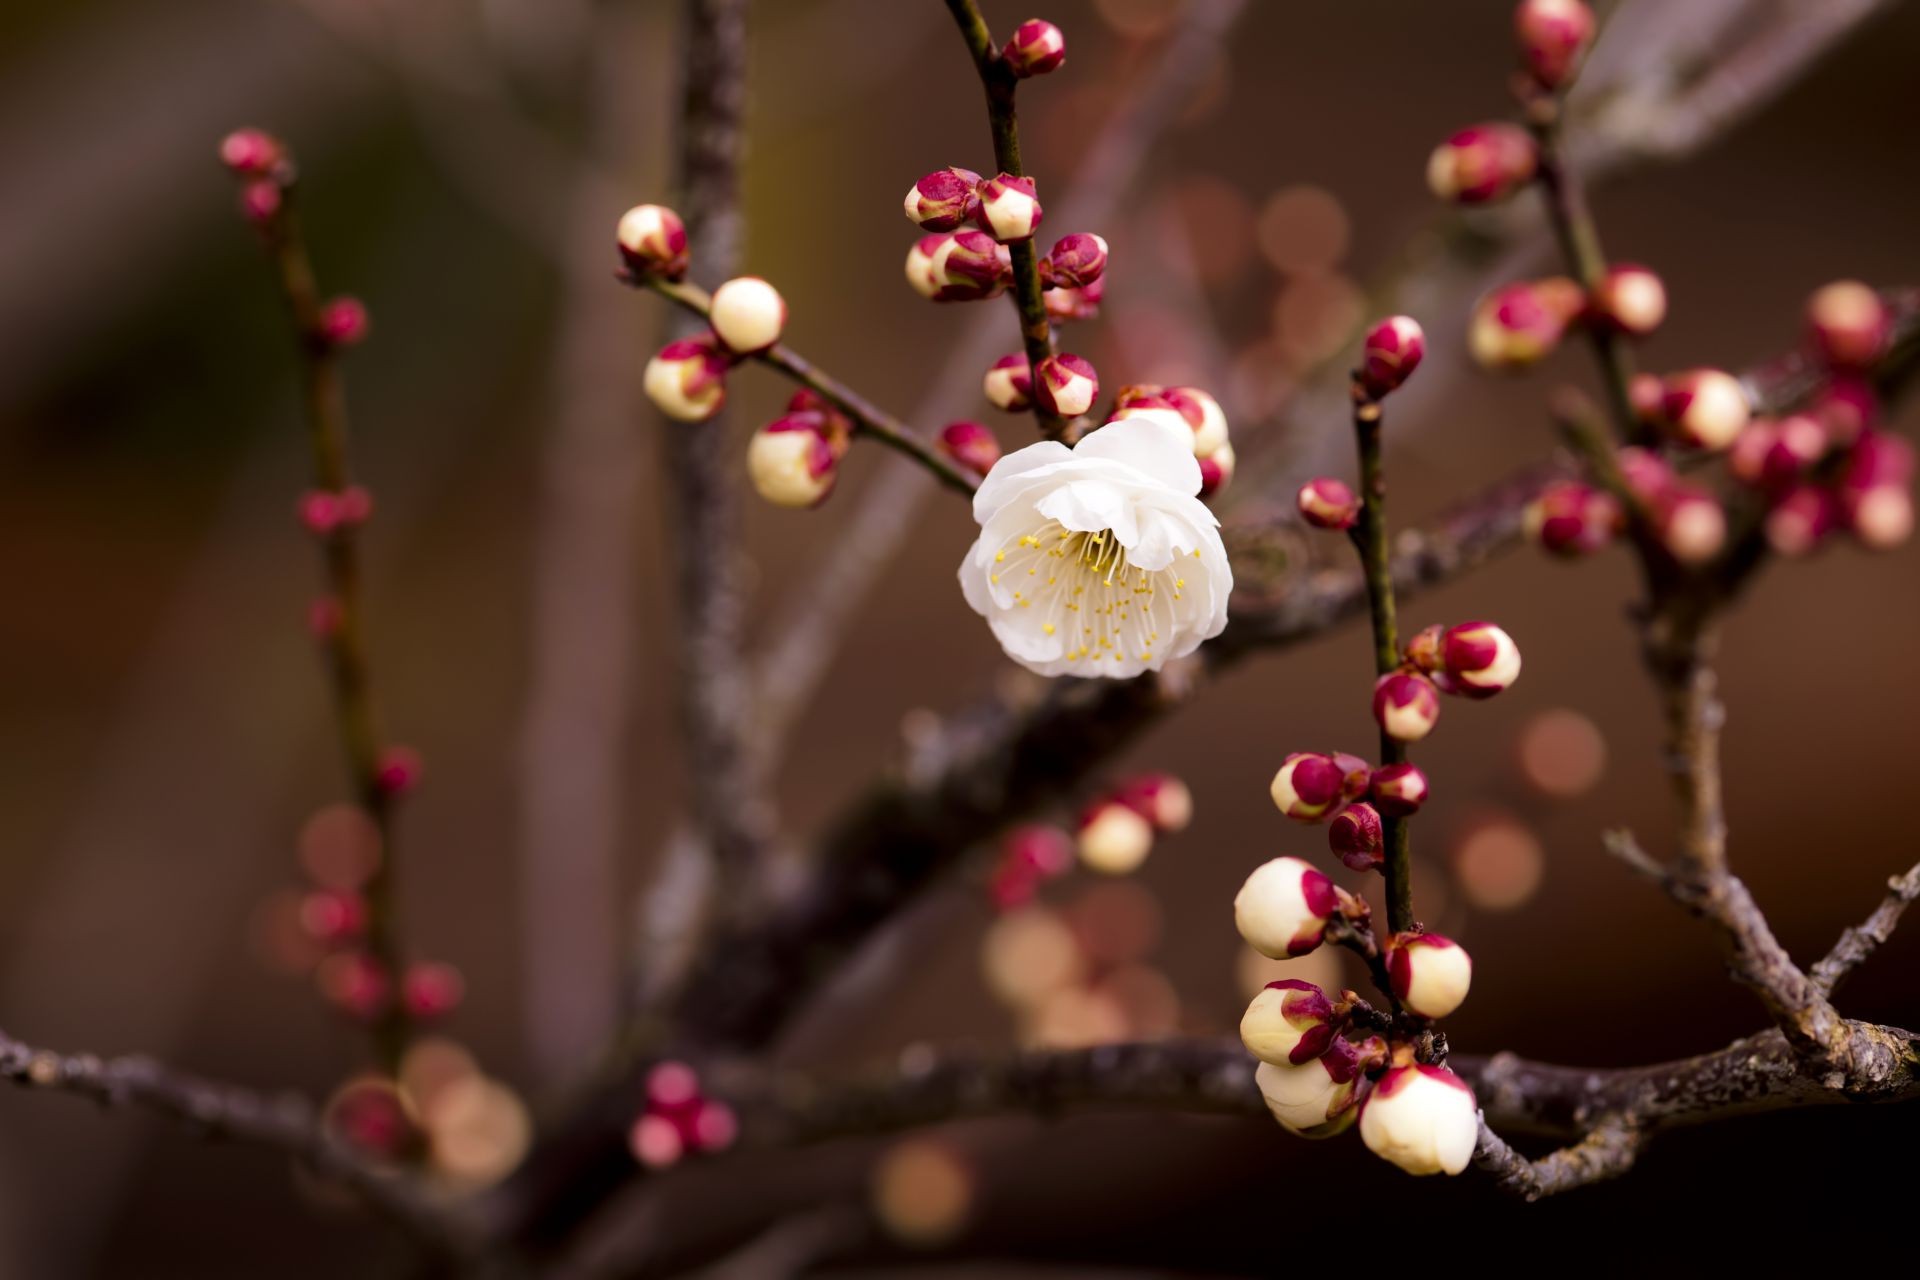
(1521, 324)
(252, 153)
(1705, 408)
(1478, 660)
(1847, 406)
(399, 770)
(1288, 1023)
(1309, 786)
(1357, 837)
(1161, 798)
(1875, 491)
(1283, 908)
(1482, 164)
(431, 990)
(945, 199)
(333, 916)
(342, 322)
(1573, 519)
(1398, 790)
(1036, 48)
(653, 241)
(957, 266)
(1630, 299)
(793, 461)
(326, 512)
(1075, 304)
(1114, 839)
(1327, 503)
(748, 314)
(355, 983)
(260, 201)
(1691, 523)
(1407, 706)
(971, 445)
(687, 380)
(1066, 385)
(1553, 36)
(1850, 324)
(1648, 475)
(1009, 208)
(1773, 455)
(1009, 383)
(1316, 1098)
(1422, 1118)
(1216, 470)
(1430, 973)
(1392, 351)
(1074, 261)
(1800, 518)
(1424, 651)
(1204, 415)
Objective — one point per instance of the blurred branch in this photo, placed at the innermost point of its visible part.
(1857, 945)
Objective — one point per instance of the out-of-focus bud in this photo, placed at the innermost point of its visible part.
(1316, 1098)
(957, 266)
(431, 990)
(1029, 856)
(1398, 790)
(1391, 352)
(1216, 470)
(970, 445)
(1800, 518)
(1553, 36)
(1482, 164)
(1430, 973)
(1406, 705)
(1573, 519)
(1521, 324)
(1478, 660)
(1161, 798)
(1705, 408)
(1327, 503)
(1875, 492)
(399, 770)
(1074, 261)
(748, 314)
(1357, 838)
(1847, 406)
(1114, 839)
(1773, 455)
(333, 916)
(1009, 383)
(1283, 908)
(1036, 48)
(1423, 651)
(354, 983)
(1691, 523)
(1647, 474)
(1422, 1118)
(1309, 786)
(342, 322)
(252, 153)
(260, 201)
(653, 241)
(793, 461)
(1630, 299)
(944, 199)
(1010, 208)
(1075, 304)
(687, 380)
(324, 512)
(1849, 324)
(1644, 394)
(1288, 1023)
(1066, 385)
(1204, 414)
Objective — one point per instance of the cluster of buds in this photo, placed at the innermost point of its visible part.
(1193, 409)
(264, 169)
(794, 460)
(331, 513)
(958, 266)
(1029, 857)
(679, 1119)
(1117, 830)
(1473, 660)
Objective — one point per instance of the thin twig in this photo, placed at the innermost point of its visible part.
(1858, 943)
(1607, 1152)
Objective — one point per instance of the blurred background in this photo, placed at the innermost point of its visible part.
(165, 730)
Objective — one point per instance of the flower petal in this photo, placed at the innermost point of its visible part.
(997, 488)
(1148, 445)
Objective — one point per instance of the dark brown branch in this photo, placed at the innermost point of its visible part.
(1607, 1152)
(1860, 941)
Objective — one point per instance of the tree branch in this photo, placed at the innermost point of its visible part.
(1607, 1152)
(1860, 941)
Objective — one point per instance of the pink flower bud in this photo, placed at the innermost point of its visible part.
(1283, 908)
(793, 461)
(252, 153)
(333, 916)
(260, 201)
(1204, 415)
(1423, 651)
(1705, 408)
(971, 445)
(1849, 323)
(687, 380)
(1800, 518)
(1691, 523)
(431, 990)
(1644, 394)
(1846, 407)
(1083, 303)
(399, 770)
(1875, 493)
(1773, 455)
(1355, 774)
(1009, 208)
(1309, 787)
(1647, 473)
(655, 1142)
(672, 1086)
(1009, 383)
(1043, 849)
(653, 241)
(1406, 705)
(1398, 790)
(1216, 470)
(1521, 324)
(1161, 798)
(325, 513)
(958, 266)
(1881, 517)
(1316, 1098)
(371, 1117)
(1478, 660)
(1392, 351)
(1430, 973)
(1066, 385)
(1553, 36)
(1114, 839)
(748, 314)
(1288, 1023)
(1074, 261)
(1573, 519)
(343, 322)
(1012, 886)
(945, 199)
(1482, 164)
(1630, 299)
(1422, 1118)
(355, 983)
(1357, 837)
(711, 1126)
(1326, 503)
(1036, 48)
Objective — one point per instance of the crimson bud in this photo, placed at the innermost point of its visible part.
(1066, 385)
(1075, 261)
(1849, 322)
(945, 199)
(1553, 36)
(1283, 908)
(1009, 382)
(1289, 1022)
(1430, 973)
(1406, 705)
(1036, 48)
(1391, 352)
(653, 241)
(1482, 164)
(1630, 299)
(1398, 790)
(1327, 503)
(1357, 837)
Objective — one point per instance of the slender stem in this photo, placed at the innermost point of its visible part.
(1376, 565)
(1036, 330)
(346, 644)
(868, 420)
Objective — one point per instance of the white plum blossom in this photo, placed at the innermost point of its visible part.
(1098, 560)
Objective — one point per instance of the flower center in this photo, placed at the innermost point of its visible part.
(1085, 590)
